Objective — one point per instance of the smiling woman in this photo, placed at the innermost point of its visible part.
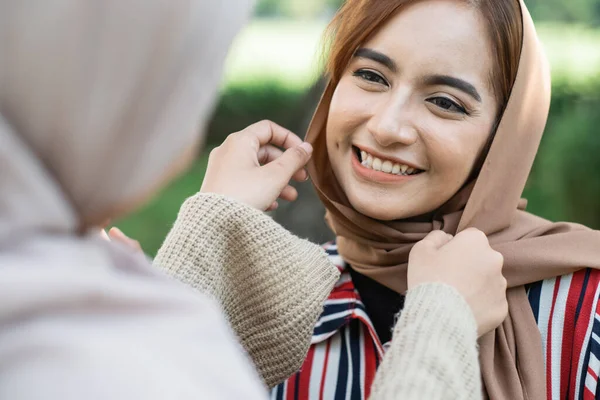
(431, 121)
(421, 104)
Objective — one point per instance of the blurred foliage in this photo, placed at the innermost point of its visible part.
(242, 105)
(564, 184)
(270, 50)
(571, 11)
(151, 224)
(297, 9)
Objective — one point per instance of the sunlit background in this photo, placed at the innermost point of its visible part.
(273, 72)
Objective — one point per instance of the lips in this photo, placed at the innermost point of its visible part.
(364, 173)
(384, 165)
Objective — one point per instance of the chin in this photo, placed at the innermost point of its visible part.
(376, 209)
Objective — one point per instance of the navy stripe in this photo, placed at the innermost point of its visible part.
(279, 392)
(331, 326)
(350, 304)
(535, 292)
(297, 388)
(332, 252)
(596, 328)
(593, 347)
(359, 306)
(586, 280)
(597, 394)
(355, 351)
(337, 323)
(342, 381)
(586, 361)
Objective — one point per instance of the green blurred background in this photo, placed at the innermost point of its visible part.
(273, 72)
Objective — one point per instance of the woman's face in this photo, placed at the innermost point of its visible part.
(413, 111)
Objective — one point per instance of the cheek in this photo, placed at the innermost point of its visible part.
(349, 109)
(454, 149)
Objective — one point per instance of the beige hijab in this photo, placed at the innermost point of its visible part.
(534, 249)
(97, 100)
(94, 111)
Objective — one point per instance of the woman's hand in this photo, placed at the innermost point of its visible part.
(116, 235)
(470, 265)
(250, 166)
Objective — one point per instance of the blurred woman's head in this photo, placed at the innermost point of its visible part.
(101, 102)
(419, 89)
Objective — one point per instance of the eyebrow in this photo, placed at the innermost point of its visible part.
(444, 80)
(377, 57)
(456, 83)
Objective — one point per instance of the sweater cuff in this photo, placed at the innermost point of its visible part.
(216, 228)
(445, 306)
(433, 353)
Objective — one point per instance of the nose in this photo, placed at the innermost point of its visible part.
(392, 122)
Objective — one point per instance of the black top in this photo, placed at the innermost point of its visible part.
(381, 302)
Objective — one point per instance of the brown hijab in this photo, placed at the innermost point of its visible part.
(534, 249)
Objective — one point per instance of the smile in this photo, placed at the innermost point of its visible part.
(387, 166)
(366, 172)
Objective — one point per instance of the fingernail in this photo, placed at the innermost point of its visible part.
(307, 176)
(307, 147)
(114, 230)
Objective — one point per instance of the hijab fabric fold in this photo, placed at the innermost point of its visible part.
(534, 249)
(98, 99)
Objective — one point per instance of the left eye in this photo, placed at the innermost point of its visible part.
(447, 104)
(370, 76)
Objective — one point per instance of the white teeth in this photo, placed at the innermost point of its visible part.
(377, 164)
(387, 166)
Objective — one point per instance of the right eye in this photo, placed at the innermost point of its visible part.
(370, 76)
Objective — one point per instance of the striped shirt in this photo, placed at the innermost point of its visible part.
(346, 351)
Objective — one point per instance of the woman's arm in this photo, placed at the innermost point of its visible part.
(433, 354)
(270, 284)
(456, 292)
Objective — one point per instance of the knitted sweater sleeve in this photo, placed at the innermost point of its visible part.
(270, 284)
(433, 353)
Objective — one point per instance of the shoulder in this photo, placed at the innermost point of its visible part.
(567, 313)
(566, 296)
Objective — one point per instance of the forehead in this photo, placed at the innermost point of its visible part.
(437, 36)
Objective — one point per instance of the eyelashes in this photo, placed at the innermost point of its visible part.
(448, 105)
(444, 103)
(371, 76)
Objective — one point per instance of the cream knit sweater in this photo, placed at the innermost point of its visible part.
(272, 285)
